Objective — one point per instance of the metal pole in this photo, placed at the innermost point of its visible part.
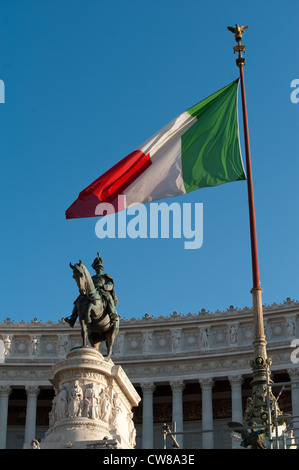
(166, 431)
(269, 411)
(257, 410)
(276, 425)
(164, 435)
(252, 220)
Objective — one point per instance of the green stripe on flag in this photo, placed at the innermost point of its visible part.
(210, 148)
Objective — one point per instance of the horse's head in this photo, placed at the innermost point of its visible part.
(79, 274)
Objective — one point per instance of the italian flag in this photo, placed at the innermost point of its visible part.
(197, 149)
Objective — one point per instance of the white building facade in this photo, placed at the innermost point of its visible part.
(191, 369)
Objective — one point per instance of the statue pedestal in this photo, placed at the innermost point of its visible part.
(93, 403)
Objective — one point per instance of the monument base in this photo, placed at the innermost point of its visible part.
(93, 402)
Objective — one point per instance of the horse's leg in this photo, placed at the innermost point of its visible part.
(93, 339)
(97, 345)
(109, 343)
(110, 338)
(83, 332)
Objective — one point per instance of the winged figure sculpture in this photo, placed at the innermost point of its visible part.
(238, 31)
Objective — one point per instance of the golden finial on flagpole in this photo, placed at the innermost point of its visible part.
(238, 32)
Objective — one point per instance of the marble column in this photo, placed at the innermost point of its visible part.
(5, 391)
(147, 415)
(294, 375)
(236, 386)
(177, 409)
(207, 412)
(30, 425)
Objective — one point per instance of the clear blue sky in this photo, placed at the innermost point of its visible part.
(86, 82)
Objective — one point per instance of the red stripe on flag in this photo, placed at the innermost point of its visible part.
(111, 184)
(119, 177)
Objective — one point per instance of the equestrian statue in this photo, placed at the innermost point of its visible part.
(95, 306)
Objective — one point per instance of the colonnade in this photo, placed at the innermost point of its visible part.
(30, 424)
(148, 388)
(177, 410)
(207, 408)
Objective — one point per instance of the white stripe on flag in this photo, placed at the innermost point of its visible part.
(164, 177)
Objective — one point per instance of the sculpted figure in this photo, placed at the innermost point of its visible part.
(116, 410)
(147, 342)
(291, 327)
(233, 334)
(85, 407)
(52, 414)
(74, 405)
(34, 346)
(61, 407)
(105, 406)
(93, 408)
(62, 344)
(7, 345)
(132, 430)
(205, 338)
(176, 340)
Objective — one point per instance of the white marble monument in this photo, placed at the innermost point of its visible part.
(93, 402)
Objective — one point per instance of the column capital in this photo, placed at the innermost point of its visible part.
(177, 385)
(32, 390)
(206, 383)
(5, 390)
(293, 374)
(148, 387)
(235, 380)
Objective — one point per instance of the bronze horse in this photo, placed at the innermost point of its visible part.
(89, 308)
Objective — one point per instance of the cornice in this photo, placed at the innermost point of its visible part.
(204, 316)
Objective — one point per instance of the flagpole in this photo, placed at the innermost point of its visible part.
(253, 237)
(257, 406)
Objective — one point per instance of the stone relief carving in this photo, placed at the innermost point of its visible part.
(267, 330)
(134, 343)
(147, 342)
(119, 345)
(220, 336)
(162, 342)
(276, 329)
(291, 327)
(63, 342)
(247, 333)
(85, 402)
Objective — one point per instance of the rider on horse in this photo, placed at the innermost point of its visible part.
(104, 286)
